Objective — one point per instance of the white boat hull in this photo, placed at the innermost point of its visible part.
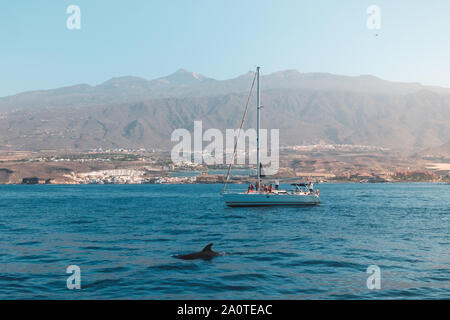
(269, 199)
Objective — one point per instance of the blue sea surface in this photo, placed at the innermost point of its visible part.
(123, 238)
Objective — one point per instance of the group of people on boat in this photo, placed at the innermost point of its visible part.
(270, 188)
(264, 188)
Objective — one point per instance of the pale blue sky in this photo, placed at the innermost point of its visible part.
(220, 39)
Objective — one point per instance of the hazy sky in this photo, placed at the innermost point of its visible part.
(220, 39)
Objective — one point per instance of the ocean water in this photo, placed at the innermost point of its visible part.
(123, 238)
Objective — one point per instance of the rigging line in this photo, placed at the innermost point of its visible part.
(239, 133)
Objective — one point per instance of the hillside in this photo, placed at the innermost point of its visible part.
(132, 112)
(442, 151)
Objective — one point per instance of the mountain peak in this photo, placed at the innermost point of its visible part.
(182, 71)
(183, 77)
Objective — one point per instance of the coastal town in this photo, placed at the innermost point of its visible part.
(323, 163)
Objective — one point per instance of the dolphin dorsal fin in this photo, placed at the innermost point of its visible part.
(208, 247)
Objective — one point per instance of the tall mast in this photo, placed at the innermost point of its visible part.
(258, 123)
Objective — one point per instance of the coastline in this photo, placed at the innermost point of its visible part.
(144, 167)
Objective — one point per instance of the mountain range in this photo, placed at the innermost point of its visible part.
(308, 108)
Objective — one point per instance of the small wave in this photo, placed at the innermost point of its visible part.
(182, 265)
(113, 269)
(81, 221)
(333, 264)
(28, 243)
(13, 277)
(35, 257)
(100, 284)
(245, 277)
(115, 248)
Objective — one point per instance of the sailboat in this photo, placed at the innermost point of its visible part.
(303, 194)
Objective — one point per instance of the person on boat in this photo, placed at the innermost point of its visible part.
(277, 184)
(271, 188)
(257, 186)
(250, 188)
(311, 187)
(266, 189)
